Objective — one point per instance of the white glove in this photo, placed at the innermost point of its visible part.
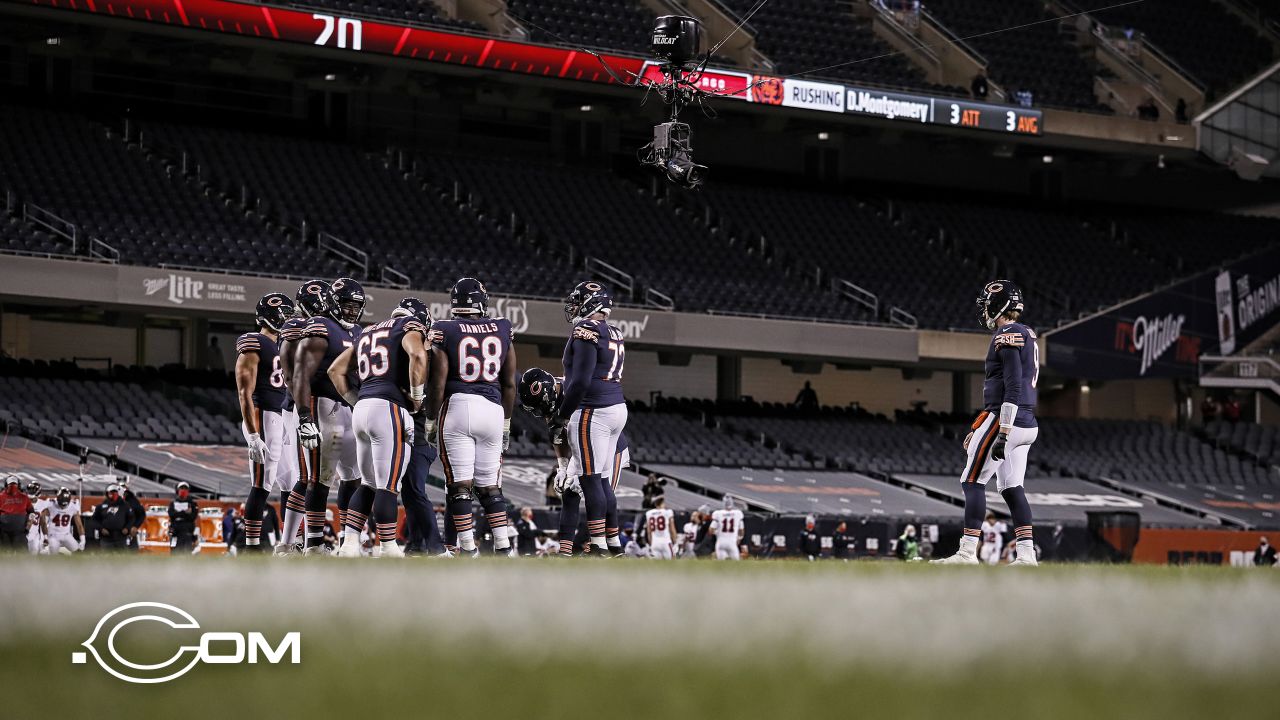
(257, 448)
(308, 434)
(81, 548)
(506, 434)
(430, 427)
(564, 482)
(557, 432)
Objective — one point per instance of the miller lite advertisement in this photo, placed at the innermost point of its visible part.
(1164, 334)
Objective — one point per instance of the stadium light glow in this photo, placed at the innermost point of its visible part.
(585, 108)
(824, 136)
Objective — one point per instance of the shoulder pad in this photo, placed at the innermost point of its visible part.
(316, 328)
(248, 343)
(586, 332)
(414, 325)
(1009, 337)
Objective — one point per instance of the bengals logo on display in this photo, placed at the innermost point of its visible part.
(768, 90)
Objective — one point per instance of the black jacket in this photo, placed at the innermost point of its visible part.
(113, 518)
(1265, 558)
(182, 516)
(840, 545)
(139, 512)
(810, 543)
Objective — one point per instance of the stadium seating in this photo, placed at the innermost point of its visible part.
(803, 35)
(607, 217)
(1215, 46)
(78, 170)
(1034, 246)
(1034, 58)
(1259, 442)
(855, 240)
(1177, 239)
(614, 24)
(106, 409)
(354, 196)
(1139, 451)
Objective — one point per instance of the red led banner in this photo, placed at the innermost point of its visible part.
(358, 35)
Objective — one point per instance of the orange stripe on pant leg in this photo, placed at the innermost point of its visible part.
(397, 455)
(584, 441)
(980, 459)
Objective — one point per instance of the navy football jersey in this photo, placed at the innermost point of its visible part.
(381, 362)
(339, 339)
(477, 349)
(268, 387)
(593, 361)
(1012, 369)
(291, 332)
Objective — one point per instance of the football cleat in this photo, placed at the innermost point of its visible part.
(1026, 561)
(957, 559)
(350, 549)
(286, 549)
(273, 310)
(321, 550)
(587, 299)
(469, 298)
(539, 392)
(315, 299)
(997, 298)
(415, 308)
(391, 550)
(350, 299)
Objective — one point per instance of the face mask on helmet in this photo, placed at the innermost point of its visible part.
(273, 310)
(587, 299)
(539, 392)
(33, 489)
(350, 298)
(64, 497)
(315, 299)
(998, 298)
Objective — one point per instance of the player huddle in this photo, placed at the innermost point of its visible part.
(326, 401)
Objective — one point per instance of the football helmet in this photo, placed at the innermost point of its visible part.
(273, 310)
(315, 299)
(587, 299)
(468, 297)
(997, 298)
(64, 497)
(350, 299)
(413, 307)
(539, 392)
(33, 489)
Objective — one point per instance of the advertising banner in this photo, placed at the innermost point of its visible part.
(1163, 334)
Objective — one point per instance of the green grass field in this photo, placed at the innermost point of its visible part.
(570, 639)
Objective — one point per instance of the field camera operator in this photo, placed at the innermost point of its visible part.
(653, 487)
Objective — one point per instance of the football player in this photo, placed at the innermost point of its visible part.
(37, 527)
(539, 393)
(63, 514)
(689, 538)
(621, 460)
(992, 540)
(293, 456)
(261, 391)
(660, 526)
(1004, 431)
(592, 412)
(391, 362)
(324, 418)
(470, 398)
(727, 525)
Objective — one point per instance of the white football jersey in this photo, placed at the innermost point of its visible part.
(690, 534)
(727, 523)
(992, 532)
(661, 525)
(40, 505)
(60, 518)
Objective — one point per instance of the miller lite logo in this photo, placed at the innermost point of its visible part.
(1152, 338)
(181, 287)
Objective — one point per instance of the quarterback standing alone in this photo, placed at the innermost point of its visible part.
(1004, 431)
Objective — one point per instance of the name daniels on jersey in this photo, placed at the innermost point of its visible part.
(469, 328)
